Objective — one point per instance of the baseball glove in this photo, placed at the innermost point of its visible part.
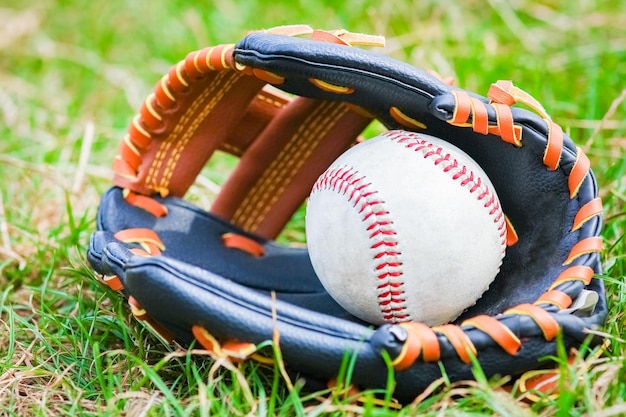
(287, 107)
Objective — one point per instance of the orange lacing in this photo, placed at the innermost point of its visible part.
(405, 120)
(548, 325)
(587, 212)
(243, 243)
(423, 341)
(511, 234)
(150, 118)
(472, 112)
(501, 334)
(142, 316)
(147, 239)
(445, 80)
(350, 391)
(470, 107)
(340, 36)
(584, 247)
(346, 390)
(552, 154)
(556, 298)
(344, 37)
(578, 173)
(113, 282)
(326, 86)
(544, 381)
(506, 93)
(149, 243)
(147, 203)
(233, 351)
(581, 273)
(459, 340)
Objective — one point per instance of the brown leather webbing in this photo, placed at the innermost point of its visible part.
(276, 173)
(200, 106)
(191, 136)
(204, 104)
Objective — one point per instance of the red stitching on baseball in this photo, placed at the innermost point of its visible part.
(417, 143)
(346, 181)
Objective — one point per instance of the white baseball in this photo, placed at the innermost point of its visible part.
(405, 227)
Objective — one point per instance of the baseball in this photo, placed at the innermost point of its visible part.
(405, 227)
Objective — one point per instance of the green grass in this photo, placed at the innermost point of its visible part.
(68, 347)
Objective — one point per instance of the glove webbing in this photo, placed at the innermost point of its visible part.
(205, 104)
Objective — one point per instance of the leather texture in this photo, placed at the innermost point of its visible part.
(533, 198)
(197, 281)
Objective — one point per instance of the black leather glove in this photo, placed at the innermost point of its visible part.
(218, 276)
